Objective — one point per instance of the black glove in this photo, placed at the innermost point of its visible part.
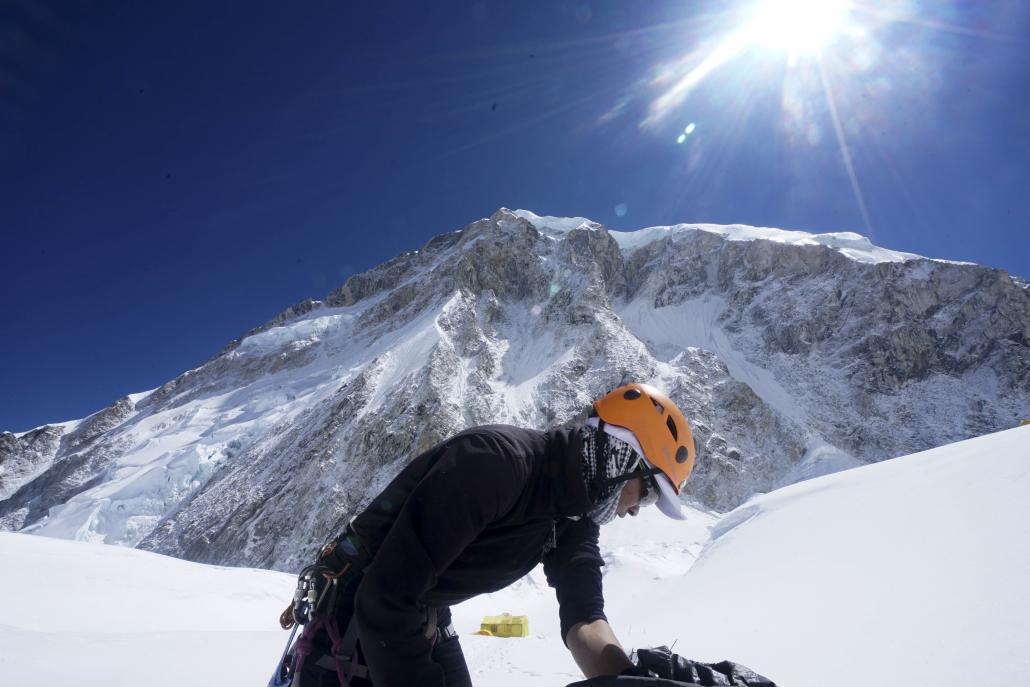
(670, 666)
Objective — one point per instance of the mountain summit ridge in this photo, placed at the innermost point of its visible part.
(791, 356)
(853, 245)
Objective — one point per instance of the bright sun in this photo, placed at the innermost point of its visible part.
(829, 47)
(799, 26)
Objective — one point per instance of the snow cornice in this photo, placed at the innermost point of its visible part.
(850, 244)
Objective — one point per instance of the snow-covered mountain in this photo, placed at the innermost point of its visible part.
(793, 354)
(908, 572)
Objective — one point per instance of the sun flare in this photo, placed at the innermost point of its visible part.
(798, 26)
(842, 69)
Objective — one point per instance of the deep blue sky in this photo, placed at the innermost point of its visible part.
(173, 174)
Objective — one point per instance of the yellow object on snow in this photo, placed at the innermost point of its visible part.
(505, 625)
(1024, 422)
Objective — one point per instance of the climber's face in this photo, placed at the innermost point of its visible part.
(629, 499)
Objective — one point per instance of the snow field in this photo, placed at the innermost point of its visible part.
(914, 568)
(908, 572)
(90, 614)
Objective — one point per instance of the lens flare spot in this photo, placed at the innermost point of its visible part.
(690, 128)
(681, 138)
(554, 288)
(621, 209)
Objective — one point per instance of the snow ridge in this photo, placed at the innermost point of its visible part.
(850, 244)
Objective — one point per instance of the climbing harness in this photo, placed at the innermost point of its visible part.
(314, 607)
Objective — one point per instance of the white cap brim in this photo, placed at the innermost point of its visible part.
(668, 502)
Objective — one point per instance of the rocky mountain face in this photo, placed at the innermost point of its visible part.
(792, 354)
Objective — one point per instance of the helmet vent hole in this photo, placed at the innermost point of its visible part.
(682, 454)
(672, 429)
(631, 394)
(658, 406)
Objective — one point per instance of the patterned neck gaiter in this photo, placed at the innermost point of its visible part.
(619, 459)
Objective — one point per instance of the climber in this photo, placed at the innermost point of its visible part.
(473, 515)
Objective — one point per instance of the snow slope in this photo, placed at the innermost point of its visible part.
(92, 614)
(915, 568)
(909, 572)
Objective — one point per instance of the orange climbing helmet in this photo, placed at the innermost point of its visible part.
(658, 426)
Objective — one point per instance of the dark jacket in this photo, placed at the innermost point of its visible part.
(469, 516)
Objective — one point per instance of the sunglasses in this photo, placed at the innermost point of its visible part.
(649, 492)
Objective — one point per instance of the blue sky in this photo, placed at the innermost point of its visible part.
(174, 174)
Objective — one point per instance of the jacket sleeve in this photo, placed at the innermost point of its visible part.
(471, 484)
(573, 568)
